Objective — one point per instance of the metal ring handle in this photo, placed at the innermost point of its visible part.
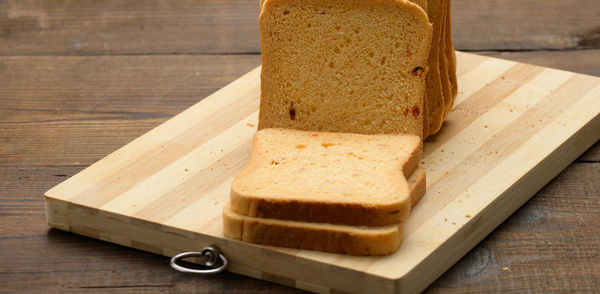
(210, 256)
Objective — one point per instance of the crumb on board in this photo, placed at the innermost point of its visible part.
(467, 215)
(250, 125)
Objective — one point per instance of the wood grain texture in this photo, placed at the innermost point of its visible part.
(61, 27)
(164, 192)
(128, 27)
(64, 262)
(59, 106)
(525, 24)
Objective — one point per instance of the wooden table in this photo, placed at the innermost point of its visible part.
(80, 79)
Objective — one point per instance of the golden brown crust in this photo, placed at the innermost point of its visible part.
(326, 212)
(451, 57)
(321, 237)
(356, 240)
(421, 3)
(434, 83)
(354, 214)
(446, 87)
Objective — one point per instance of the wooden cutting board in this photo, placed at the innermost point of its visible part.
(513, 128)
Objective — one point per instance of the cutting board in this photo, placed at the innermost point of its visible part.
(513, 128)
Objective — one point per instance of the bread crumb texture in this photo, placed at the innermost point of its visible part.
(344, 65)
(345, 167)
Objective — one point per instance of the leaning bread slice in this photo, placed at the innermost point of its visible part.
(356, 240)
(356, 66)
(326, 177)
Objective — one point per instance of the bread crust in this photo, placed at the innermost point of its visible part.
(451, 58)
(446, 87)
(354, 214)
(311, 236)
(435, 77)
(354, 240)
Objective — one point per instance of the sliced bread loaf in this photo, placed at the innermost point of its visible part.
(326, 177)
(355, 240)
(344, 65)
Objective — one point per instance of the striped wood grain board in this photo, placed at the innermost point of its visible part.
(513, 129)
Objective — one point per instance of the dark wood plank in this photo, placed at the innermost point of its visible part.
(59, 27)
(525, 24)
(76, 110)
(592, 154)
(579, 61)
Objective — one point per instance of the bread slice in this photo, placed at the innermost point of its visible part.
(434, 83)
(354, 66)
(312, 236)
(446, 91)
(423, 5)
(355, 240)
(325, 177)
(450, 57)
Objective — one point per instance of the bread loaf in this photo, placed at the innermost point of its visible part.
(344, 65)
